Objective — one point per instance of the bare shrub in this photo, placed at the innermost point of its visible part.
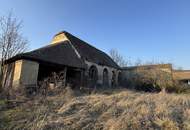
(178, 87)
(118, 58)
(151, 79)
(11, 43)
(55, 80)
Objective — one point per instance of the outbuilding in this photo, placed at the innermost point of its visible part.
(77, 62)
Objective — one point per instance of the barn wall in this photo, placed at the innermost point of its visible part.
(59, 38)
(8, 75)
(17, 73)
(100, 72)
(25, 73)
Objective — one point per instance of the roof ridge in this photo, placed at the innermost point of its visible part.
(81, 40)
(69, 36)
(65, 32)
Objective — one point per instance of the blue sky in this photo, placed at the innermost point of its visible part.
(138, 29)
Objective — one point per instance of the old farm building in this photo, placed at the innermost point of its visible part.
(74, 62)
(182, 76)
(81, 64)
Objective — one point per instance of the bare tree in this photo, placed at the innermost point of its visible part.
(118, 58)
(11, 40)
(138, 62)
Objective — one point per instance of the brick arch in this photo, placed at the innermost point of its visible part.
(93, 75)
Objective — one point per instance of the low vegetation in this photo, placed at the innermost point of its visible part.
(154, 80)
(108, 110)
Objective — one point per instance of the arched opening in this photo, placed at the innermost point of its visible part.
(93, 75)
(113, 80)
(105, 77)
(119, 79)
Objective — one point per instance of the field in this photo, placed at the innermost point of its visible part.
(106, 110)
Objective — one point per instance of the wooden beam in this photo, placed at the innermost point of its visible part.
(65, 77)
(82, 79)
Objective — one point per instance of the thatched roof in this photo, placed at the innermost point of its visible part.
(90, 53)
(60, 54)
(71, 52)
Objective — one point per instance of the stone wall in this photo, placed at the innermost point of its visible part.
(25, 73)
(59, 38)
(100, 69)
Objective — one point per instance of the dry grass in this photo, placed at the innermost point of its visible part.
(120, 110)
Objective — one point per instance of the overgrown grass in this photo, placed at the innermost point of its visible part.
(2, 102)
(117, 110)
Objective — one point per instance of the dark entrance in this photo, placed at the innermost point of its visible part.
(93, 76)
(113, 81)
(119, 79)
(64, 75)
(105, 77)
